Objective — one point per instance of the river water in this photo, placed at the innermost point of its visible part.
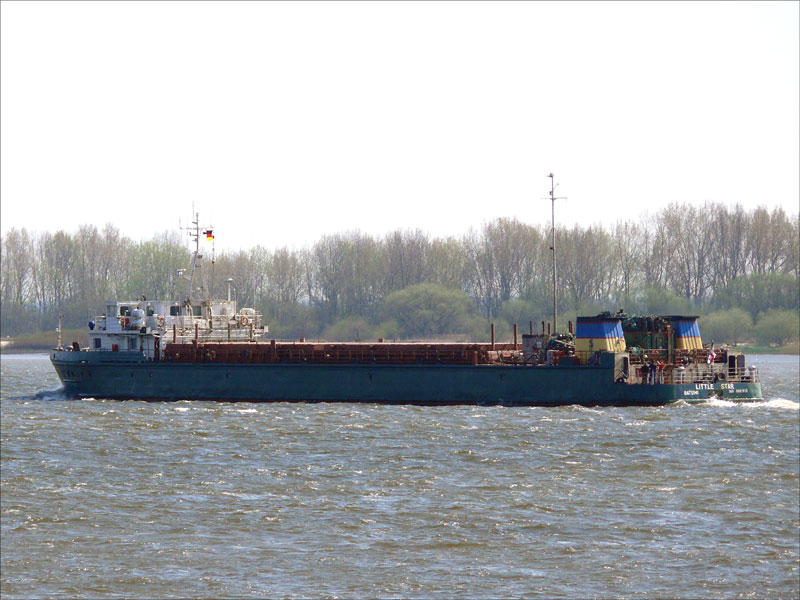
(106, 498)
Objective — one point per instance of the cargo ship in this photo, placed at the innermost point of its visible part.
(596, 369)
(128, 363)
(203, 349)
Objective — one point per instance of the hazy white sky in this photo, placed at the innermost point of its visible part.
(282, 122)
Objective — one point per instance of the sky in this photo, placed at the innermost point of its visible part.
(281, 122)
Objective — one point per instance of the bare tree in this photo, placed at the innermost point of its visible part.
(17, 264)
(406, 258)
(447, 263)
(627, 264)
(285, 281)
(585, 264)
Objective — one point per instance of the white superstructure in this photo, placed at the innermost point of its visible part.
(148, 325)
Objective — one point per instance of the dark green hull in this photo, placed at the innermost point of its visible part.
(126, 375)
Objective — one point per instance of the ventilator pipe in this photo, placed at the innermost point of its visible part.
(491, 328)
(515, 336)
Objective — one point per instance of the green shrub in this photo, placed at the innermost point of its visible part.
(479, 330)
(293, 321)
(729, 326)
(661, 301)
(388, 330)
(779, 327)
(351, 329)
(427, 309)
(521, 312)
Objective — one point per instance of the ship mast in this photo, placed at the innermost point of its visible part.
(194, 234)
(553, 199)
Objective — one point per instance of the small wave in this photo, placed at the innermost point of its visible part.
(720, 403)
(49, 396)
(783, 403)
(584, 409)
(779, 403)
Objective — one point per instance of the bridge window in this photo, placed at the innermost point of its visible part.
(174, 311)
(97, 342)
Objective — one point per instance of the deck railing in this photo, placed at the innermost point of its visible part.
(695, 374)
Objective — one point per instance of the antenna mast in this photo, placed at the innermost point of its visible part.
(194, 234)
(553, 199)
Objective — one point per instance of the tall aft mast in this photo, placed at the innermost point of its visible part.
(553, 199)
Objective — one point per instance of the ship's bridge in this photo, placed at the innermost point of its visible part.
(140, 325)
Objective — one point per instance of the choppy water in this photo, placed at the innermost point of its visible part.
(105, 498)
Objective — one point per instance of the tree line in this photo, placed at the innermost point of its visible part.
(683, 259)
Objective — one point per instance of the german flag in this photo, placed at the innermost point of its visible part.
(209, 235)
